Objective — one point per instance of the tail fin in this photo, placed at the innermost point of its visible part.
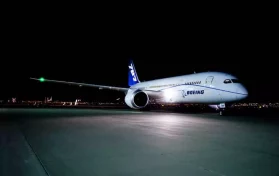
(132, 74)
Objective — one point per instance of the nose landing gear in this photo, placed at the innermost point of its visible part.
(221, 112)
(222, 107)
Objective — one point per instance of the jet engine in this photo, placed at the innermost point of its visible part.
(136, 99)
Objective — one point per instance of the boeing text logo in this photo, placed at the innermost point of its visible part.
(191, 92)
(132, 72)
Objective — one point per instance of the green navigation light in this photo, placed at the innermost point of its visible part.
(42, 79)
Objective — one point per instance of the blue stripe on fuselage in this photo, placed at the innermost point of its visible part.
(197, 86)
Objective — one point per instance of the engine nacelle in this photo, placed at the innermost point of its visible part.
(136, 99)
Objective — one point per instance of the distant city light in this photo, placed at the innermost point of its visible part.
(42, 79)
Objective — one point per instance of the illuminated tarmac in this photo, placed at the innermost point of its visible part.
(127, 143)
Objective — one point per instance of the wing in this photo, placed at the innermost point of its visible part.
(122, 89)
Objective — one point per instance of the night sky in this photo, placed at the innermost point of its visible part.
(98, 53)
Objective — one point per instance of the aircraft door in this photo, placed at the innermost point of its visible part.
(214, 95)
(209, 80)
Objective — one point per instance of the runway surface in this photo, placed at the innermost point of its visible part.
(96, 142)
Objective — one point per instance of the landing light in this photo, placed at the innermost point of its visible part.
(168, 94)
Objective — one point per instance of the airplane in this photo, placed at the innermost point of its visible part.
(216, 89)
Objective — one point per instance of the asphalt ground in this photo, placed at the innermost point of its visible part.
(119, 142)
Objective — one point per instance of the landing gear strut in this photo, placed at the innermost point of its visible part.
(221, 112)
(222, 107)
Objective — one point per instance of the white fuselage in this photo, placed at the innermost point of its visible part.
(206, 87)
(213, 88)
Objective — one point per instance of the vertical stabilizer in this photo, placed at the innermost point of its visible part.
(132, 74)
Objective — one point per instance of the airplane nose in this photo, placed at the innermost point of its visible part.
(242, 92)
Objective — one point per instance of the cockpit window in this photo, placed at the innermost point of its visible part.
(227, 81)
(235, 81)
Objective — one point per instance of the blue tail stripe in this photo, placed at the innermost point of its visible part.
(132, 74)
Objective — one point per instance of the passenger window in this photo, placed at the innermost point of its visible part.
(227, 81)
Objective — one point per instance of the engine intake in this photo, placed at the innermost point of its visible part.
(141, 99)
(137, 99)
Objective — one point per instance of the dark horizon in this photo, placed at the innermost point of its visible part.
(99, 54)
(255, 77)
